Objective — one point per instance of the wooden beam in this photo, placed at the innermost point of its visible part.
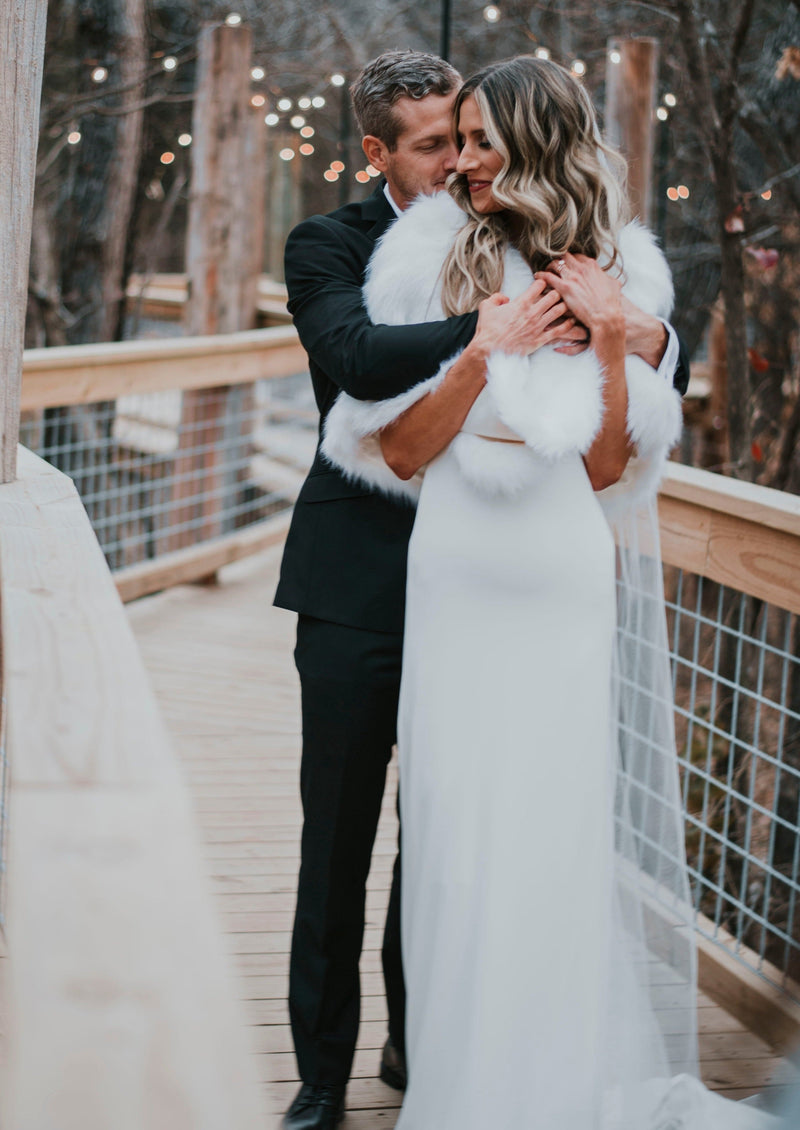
(218, 248)
(83, 374)
(223, 277)
(198, 561)
(732, 981)
(742, 535)
(22, 27)
(120, 1006)
(629, 114)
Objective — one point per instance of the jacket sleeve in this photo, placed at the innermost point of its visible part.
(369, 362)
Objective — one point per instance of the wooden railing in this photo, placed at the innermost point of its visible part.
(120, 1009)
(212, 369)
(737, 547)
(739, 534)
(744, 537)
(164, 297)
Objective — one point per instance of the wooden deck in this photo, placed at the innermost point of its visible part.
(221, 662)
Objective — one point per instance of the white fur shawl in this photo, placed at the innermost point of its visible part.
(553, 402)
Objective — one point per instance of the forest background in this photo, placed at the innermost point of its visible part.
(113, 176)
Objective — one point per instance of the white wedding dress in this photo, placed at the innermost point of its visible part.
(545, 913)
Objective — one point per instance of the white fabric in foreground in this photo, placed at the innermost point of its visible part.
(547, 928)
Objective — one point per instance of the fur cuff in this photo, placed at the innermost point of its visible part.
(351, 437)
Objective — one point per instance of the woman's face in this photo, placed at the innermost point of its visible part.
(478, 162)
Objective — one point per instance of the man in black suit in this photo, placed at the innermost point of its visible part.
(344, 566)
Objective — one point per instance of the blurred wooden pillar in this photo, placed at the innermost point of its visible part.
(22, 26)
(630, 114)
(285, 193)
(225, 238)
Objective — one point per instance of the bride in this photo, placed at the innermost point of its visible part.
(546, 915)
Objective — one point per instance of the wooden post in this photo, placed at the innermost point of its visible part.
(630, 110)
(22, 25)
(284, 195)
(220, 265)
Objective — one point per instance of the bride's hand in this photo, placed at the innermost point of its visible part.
(536, 317)
(592, 295)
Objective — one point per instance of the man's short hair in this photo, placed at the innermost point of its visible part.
(393, 75)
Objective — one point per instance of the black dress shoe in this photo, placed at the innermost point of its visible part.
(316, 1107)
(393, 1067)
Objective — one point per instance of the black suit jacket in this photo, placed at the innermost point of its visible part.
(345, 555)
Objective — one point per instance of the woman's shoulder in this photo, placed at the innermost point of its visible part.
(404, 273)
(647, 279)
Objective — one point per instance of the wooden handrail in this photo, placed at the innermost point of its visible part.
(743, 535)
(85, 374)
(121, 1008)
(740, 534)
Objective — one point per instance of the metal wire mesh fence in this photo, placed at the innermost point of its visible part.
(165, 470)
(736, 683)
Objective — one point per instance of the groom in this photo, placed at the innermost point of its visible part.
(344, 567)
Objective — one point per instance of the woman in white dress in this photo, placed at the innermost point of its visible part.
(546, 918)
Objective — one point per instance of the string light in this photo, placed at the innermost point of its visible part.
(307, 131)
(169, 63)
(257, 74)
(362, 177)
(330, 175)
(337, 79)
(297, 122)
(491, 13)
(672, 193)
(615, 56)
(306, 149)
(74, 137)
(670, 100)
(542, 53)
(683, 192)
(304, 103)
(184, 140)
(167, 158)
(578, 67)
(337, 166)
(767, 195)
(371, 171)
(318, 102)
(662, 113)
(258, 100)
(286, 154)
(285, 104)
(272, 119)
(233, 19)
(99, 74)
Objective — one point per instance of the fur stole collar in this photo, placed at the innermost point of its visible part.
(551, 401)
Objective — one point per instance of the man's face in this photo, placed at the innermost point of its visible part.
(426, 151)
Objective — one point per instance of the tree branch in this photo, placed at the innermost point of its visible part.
(701, 93)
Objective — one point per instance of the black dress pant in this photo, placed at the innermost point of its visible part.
(350, 681)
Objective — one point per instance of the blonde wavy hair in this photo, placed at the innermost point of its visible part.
(558, 176)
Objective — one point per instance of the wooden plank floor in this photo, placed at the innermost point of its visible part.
(221, 663)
